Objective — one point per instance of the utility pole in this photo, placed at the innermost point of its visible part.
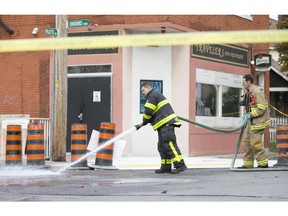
(59, 111)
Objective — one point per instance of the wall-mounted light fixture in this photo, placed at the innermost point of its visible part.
(35, 31)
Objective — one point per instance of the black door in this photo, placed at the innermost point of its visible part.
(91, 97)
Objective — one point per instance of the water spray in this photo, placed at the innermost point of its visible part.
(121, 135)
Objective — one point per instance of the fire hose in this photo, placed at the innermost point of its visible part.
(241, 128)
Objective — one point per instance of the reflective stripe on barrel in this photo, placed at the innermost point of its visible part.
(79, 144)
(13, 145)
(35, 144)
(104, 157)
(282, 145)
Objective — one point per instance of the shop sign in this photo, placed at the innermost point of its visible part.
(262, 60)
(227, 54)
(87, 51)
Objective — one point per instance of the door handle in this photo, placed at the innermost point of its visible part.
(80, 116)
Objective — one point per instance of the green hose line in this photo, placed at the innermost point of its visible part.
(224, 131)
(237, 149)
(214, 129)
(232, 168)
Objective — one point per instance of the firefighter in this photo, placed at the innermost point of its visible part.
(258, 115)
(159, 113)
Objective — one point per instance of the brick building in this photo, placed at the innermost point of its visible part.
(187, 75)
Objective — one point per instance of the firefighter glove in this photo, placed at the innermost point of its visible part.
(138, 126)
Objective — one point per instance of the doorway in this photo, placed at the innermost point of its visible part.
(89, 98)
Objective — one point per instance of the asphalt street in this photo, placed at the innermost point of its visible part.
(195, 184)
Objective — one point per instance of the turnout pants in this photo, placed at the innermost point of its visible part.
(253, 147)
(168, 148)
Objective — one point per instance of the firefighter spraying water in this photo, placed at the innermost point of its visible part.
(160, 114)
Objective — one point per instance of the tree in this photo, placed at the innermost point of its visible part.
(282, 48)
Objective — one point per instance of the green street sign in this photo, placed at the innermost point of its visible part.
(77, 23)
(50, 31)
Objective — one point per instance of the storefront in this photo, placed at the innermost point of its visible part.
(202, 82)
(217, 76)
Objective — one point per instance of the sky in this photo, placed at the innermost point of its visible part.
(104, 7)
(273, 16)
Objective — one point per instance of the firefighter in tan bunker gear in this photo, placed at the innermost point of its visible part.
(257, 112)
(160, 114)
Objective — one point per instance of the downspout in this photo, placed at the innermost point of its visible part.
(6, 28)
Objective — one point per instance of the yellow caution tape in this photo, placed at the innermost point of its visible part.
(227, 37)
(278, 110)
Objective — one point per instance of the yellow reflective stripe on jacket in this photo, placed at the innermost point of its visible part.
(154, 108)
(163, 121)
(161, 104)
(150, 105)
(260, 126)
(177, 123)
(253, 112)
(261, 106)
(147, 116)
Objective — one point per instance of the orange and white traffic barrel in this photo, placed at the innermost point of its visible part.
(282, 145)
(79, 144)
(104, 157)
(14, 145)
(35, 149)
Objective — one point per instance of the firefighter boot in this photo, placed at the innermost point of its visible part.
(263, 166)
(179, 167)
(165, 168)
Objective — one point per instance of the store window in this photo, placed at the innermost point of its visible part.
(206, 99)
(230, 102)
(217, 98)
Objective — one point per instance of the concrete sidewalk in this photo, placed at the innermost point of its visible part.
(141, 162)
(138, 162)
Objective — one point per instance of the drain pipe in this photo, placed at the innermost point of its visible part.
(6, 28)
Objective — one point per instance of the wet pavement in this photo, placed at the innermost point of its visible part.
(211, 182)
(144, 185)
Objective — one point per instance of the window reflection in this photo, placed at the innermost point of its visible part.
(230, 101)
(206, 99)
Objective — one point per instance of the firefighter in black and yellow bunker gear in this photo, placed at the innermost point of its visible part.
(257, 112)
(159, 113)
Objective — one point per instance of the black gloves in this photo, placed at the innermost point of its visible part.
(138, 126)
